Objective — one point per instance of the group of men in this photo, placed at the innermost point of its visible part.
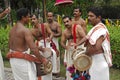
(43, 36)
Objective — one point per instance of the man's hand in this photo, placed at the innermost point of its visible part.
(7, 10)
(73, 44)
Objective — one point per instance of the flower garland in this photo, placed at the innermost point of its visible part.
(78, 75)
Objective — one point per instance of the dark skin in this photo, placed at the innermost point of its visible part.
(97, 47)
(67, 33)
(78, 20)
(54, 26)
(20, 38)
(37, 30)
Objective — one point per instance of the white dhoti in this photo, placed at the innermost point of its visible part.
(99, 69)
(2, 74)
(68, 59)
(48, 76)
(56, 60)
(23, 69)
(100, 62)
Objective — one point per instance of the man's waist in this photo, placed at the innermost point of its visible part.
(21, 55)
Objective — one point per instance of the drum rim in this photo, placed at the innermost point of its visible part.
(75, 50)
(85, 68)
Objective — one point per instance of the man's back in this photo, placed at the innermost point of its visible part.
(17, 40)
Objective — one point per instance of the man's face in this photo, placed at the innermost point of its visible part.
(76, 12)
(50, 17)
(67, 22)
(34, 20)
(27, 19)
(92, 18)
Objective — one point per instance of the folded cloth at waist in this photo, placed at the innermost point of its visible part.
(21, 55)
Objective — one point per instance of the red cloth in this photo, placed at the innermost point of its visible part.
(63, 2)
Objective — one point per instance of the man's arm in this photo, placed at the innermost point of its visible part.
(80, 31)
(31, 44)
(49, 31)
(84, 26)
(63, 40)
(6, 11)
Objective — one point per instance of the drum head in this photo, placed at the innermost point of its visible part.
(82, 62)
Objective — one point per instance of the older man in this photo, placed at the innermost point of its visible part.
(57, 31)
(73, 33)
(77, 19)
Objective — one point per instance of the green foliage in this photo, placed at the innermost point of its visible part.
(4, 40)
(115, 44)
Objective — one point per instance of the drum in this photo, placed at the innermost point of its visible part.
(47, 53)
(81, 61)
(44, 69)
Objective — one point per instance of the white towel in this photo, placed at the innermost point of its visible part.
(96, 32)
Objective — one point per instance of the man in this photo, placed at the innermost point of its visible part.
(57, 31)
(98, 46)
(2, 77)
(72, 34)
(20, 44)
(78, 20)
(43, 35)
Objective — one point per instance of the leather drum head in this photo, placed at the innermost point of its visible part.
(82, 62)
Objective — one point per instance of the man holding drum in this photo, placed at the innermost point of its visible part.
(72, 33)
(57, 31)
(20, 43)
(98, 46)
(43, 35)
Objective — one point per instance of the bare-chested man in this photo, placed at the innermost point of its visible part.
(57, 31)
(20, 44)
(44, 35)
(2, 76)
(98, 46)
(78, 20)
(68, 36)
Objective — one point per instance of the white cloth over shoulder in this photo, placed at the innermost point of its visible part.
(2, 74)
(56, 60)
(95, 33)
(23, 69)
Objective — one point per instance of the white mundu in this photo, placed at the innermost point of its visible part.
(101, 61)
(56, 60)
(2, 76)
(23, 69)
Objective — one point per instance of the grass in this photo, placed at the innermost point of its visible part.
(114, 73)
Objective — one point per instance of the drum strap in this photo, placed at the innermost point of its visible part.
(74, 33)
(43, 33)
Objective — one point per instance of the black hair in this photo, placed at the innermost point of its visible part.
(77, 7)
(96, 10)
(67, 17)
(22, 12)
